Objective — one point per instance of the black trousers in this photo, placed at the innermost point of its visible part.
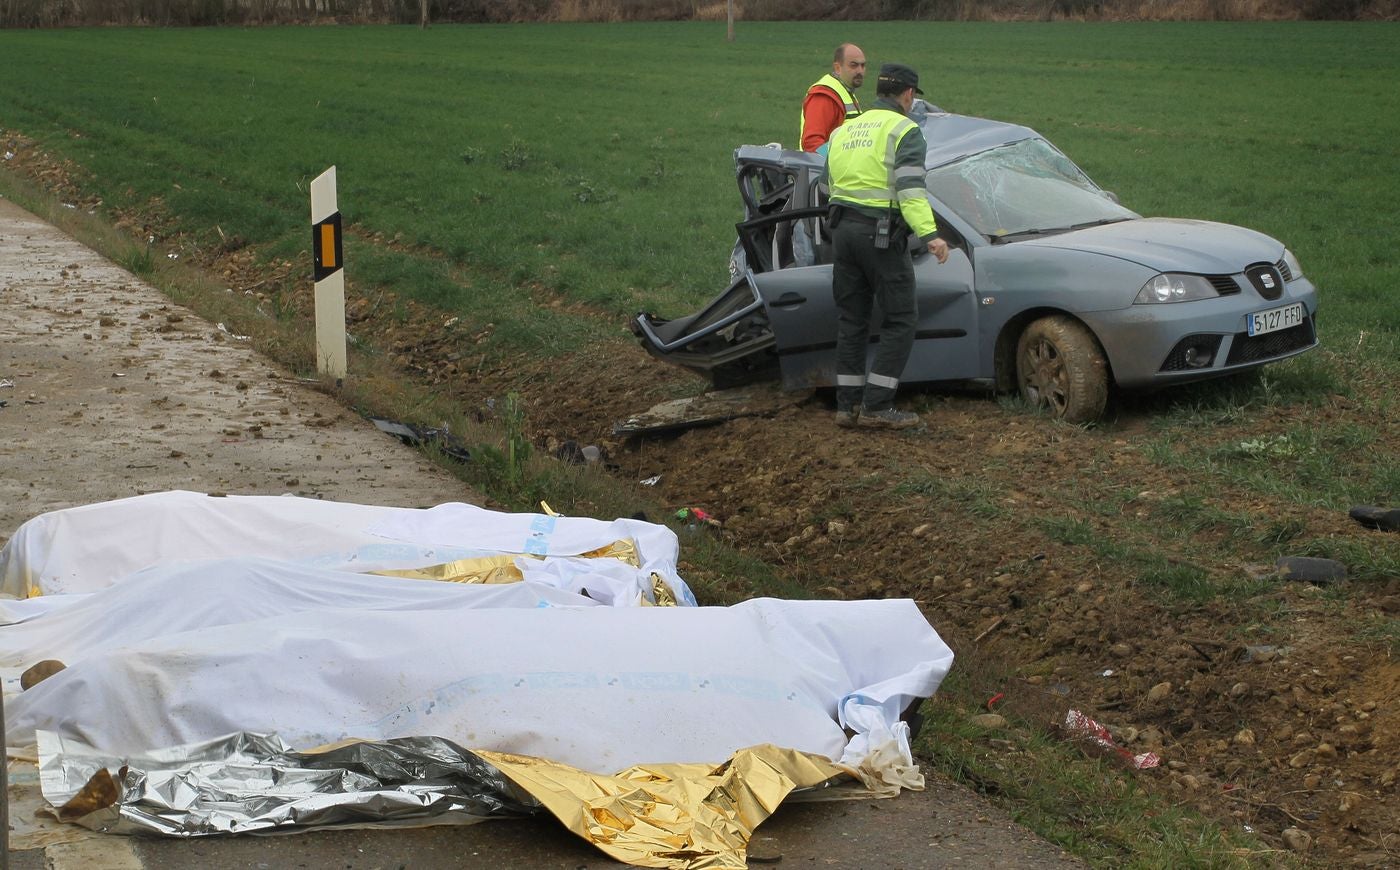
(861, 277)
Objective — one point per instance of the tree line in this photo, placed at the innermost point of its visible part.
(186, 13)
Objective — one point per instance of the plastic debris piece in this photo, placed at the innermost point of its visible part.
(709, 409)
(695, 517)
(1308, 569)
(652, 481)
(420, 436)
(1385, 519)
(1079, 725)
(1260, 653)
(578, 454)
(225, 331)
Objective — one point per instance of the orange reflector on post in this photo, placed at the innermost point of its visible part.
(326, 241)
(328, 246)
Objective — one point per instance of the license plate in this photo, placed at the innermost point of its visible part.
(1261, 322)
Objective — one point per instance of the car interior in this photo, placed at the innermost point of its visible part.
(788, 218)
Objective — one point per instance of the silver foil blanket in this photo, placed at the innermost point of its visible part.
(245, 783)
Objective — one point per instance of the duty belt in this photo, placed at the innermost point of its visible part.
(850, 214)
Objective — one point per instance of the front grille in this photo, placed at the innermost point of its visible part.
(1225, 285)
(1205, 348)
(1266, 279)
(1247, 349)
(1287, 273)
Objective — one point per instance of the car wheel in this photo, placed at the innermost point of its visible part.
(1061, 369)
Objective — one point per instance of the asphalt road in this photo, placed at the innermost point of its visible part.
(110, 390)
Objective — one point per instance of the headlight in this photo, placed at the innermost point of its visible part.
(1173, 287)
(1292, 263)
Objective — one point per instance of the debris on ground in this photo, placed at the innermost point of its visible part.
(710, 408)
(1309, 569)
(693, 518)
(421, 436)
(1385, 519)
(572, 452)
(1081, 726)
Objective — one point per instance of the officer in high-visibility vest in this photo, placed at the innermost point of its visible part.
(831, 99)
(876, 169)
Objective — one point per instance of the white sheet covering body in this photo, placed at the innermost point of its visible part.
(191, 596)
(87, 548)
(541, 535)
(596, 687)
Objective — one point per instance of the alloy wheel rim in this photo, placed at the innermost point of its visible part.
(1045, 377)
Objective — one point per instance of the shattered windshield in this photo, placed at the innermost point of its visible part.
(1024, 187)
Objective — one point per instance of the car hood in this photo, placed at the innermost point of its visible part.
(1172, 245)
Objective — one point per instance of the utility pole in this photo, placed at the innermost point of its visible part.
(731, 20)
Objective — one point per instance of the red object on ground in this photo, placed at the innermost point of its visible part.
(1080, 725)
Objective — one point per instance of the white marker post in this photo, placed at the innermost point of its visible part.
(328, 254)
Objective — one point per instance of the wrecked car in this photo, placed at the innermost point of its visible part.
(1052, 287)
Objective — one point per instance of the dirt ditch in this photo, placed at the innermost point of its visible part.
(1272, 713)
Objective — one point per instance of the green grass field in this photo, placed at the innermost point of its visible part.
(597, 159)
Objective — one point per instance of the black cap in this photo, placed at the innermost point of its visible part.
(899, 74)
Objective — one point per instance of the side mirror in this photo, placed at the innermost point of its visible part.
(1110, 195)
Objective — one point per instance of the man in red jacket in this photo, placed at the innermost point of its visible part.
(830, 101)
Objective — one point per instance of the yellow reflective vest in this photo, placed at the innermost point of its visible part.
(847, 99)
(867, 173)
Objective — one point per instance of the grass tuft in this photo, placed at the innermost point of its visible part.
(137, 260)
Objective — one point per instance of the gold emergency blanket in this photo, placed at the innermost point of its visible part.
(501, 568)
(674, 816)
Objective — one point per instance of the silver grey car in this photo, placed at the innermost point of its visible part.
(1051, 287)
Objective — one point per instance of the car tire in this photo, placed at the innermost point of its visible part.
(1061, 369)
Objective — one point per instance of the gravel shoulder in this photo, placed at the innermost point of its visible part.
(116, 391)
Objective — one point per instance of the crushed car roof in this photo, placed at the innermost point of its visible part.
(951, 137)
